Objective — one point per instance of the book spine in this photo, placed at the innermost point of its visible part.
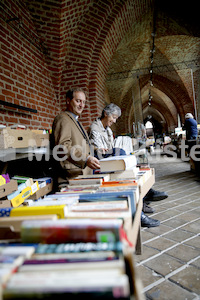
(5, 212)
(66, 294)
(57, 235)
(29, 262)
(78, 247)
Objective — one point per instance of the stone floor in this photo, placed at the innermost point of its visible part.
(170, 262)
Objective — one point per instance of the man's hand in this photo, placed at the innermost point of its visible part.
(93, 163)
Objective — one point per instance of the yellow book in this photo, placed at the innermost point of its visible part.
(25, 193)
(19, 199)
(60, 210)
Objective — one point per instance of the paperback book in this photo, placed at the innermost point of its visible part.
(77, 230)
(60, 210)
(92, 283)
(113, 195)
(84, 247)
(100, 206)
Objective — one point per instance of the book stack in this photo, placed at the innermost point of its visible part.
(11, 258)
(45, 186)
(13, 193)
(88, 181)
(26, 188)
(75, 258)
(120, 167)
(81, 253)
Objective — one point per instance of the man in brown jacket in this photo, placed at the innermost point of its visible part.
(71, 143)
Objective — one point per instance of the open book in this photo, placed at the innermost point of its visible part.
(118, 163)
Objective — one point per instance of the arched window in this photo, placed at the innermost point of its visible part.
(148, 125)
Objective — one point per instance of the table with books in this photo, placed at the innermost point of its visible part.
(80, 241)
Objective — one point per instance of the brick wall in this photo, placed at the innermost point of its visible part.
(25, 77)
(55, 45)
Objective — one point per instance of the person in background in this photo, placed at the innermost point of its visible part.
(72, 140)
(101, 137)
(191, 130)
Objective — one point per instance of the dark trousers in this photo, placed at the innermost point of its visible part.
(191, 142)
(111, 152)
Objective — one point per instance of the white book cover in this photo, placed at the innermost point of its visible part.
(49, 202)
(127, 174)
(117, 264)
(100, 206)
(85, 181)
(118, 163)
(72, 223)
(25, 251)
(101, 215)
(78, 281)
(105, 177)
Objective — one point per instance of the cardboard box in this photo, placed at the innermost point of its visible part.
(41, 140)
(16, 138)
(37, 131)
(8, 188)
(42, 191)
(22, 138)
(5, 203)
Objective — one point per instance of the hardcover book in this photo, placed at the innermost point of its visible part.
(113, 195)
(127, 174)
(72, 265)
(118, 163)
(101, 284)
(85, 181)
(83, 247)
(16, 251)
(100, 215)
(100, 206)
(77, 230)
(105, 177)
(119, 183)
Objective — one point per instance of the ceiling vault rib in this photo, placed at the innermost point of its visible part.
(190, 64)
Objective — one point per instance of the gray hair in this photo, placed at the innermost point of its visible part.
(111, 109)
(189, 116)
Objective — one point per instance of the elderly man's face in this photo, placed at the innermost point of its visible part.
(77, 104)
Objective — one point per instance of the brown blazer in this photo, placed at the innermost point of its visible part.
(67, 132)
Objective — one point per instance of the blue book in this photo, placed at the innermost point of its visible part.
(5, 212)
(111, 196)
(103, 195)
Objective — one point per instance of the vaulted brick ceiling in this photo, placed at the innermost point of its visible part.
(89, 41)
(177, 40)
